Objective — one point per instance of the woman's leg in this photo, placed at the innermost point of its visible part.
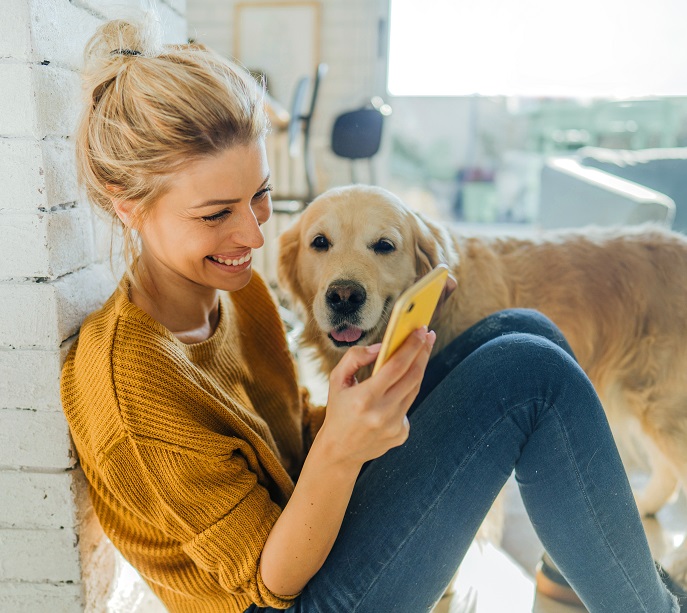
(510, 401)
(509, 321)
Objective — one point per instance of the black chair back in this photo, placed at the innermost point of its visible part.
(357, 134)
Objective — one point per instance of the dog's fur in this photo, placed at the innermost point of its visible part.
(618, 295)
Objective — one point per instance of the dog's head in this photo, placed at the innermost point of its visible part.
(347, 259)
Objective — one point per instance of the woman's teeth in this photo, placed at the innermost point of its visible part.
(243, 260)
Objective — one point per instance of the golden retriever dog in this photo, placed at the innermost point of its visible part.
(618, 295)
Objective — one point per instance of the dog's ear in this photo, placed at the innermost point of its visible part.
(287, 270)
(430, 245)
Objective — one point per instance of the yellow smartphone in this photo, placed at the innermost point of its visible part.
(413, 309)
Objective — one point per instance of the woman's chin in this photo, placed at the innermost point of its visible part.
(237, 282)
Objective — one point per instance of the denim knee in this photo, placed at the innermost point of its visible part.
(493, 326)
(527, 321)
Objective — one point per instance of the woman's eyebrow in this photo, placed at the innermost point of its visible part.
(227, 201)
(214, 202)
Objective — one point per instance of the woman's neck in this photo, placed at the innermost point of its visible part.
(190, 313)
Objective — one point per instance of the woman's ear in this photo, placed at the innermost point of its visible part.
(122, 208)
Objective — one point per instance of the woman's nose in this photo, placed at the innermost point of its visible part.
(249, 232)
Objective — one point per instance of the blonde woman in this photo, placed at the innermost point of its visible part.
(206, 465)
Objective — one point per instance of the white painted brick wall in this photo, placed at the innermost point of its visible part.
(48, 447)
(54, 22)
(36, 175)
(45, 245)
(50, 556)
(21, 175)
(59, 178)
(38, 100)
(18, 102)
(43, 315)
(15, 41)
(42, 391)
(54, 270)
(46, 502)
(19, 597)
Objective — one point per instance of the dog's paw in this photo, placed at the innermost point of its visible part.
(648, 506)
(675, 563)
(661, 490)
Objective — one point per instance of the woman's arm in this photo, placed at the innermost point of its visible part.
(363, 421)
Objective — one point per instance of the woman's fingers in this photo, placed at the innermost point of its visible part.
(406, 388)
(352, 361)
(398, 364)
(370, 418)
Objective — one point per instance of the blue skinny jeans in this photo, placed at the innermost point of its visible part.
(506, 395)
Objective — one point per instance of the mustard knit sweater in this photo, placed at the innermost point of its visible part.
(190, 451)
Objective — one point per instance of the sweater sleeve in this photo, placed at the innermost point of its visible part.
(213, 506)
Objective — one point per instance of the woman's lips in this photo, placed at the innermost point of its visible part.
(234, 260)
(228, 264)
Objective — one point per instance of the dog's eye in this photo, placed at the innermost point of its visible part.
(383, 246)
(320, 243)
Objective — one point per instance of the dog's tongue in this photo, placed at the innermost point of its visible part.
(349, 334)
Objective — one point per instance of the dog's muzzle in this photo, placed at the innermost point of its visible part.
(344, 300)
(345, 297)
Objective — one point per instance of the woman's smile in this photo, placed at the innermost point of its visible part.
(187, 246)
(229, 263)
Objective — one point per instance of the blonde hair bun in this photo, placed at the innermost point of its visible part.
(115, 42)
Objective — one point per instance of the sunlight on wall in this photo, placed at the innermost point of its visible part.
(615, 48)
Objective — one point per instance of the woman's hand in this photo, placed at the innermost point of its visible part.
(365, 420)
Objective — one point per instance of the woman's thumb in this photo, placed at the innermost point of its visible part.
(353, 360)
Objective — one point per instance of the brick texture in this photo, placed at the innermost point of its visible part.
(54, 270)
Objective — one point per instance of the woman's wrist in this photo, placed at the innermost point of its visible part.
(328, 449)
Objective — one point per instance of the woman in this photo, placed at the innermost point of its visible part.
(208, 469)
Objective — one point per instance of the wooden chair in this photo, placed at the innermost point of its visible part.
(292, 198)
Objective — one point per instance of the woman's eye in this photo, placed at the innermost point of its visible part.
(263, 193)
(217, 216)
(383, 246)
(320, 243)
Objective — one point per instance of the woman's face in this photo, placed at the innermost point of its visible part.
(203, 231)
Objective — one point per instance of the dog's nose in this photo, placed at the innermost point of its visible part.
(345, 297)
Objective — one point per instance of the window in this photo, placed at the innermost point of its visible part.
(580, 48)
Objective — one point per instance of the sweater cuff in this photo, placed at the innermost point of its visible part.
(278, 601)
(233, 545)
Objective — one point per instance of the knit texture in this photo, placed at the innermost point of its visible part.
(190, 451)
